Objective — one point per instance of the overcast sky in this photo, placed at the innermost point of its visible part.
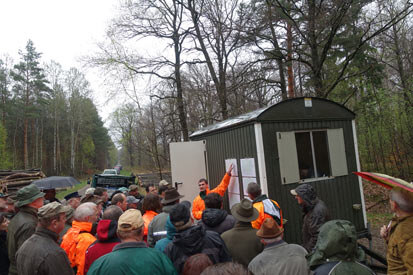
(62, 30)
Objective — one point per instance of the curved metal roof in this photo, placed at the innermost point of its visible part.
(255, 115)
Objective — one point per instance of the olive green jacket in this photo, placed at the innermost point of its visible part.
(400, 246)
(242, 242)
(21, 227)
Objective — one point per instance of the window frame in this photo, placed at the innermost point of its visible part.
(289, 171)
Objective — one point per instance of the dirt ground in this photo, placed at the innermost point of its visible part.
(378, 214)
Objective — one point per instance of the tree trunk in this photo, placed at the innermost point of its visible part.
(316, 69)
(55, 141)
(290, 61)
(220, 87)
(277, 52)
(72, 149)
(41, 144)
(25, 153)
(179, 91)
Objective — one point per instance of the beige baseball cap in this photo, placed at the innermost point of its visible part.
(130, 220)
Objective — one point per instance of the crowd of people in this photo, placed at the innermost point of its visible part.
(128, 233)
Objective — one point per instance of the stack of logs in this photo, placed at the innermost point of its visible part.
(13, 180)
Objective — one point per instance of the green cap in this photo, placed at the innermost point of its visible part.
(28, 194)
(51, 209)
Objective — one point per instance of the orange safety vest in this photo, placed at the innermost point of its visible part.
(75, 243)
(147, 218)
(262, 215)
(198, 205)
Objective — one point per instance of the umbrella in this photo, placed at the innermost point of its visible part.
(55, 182)
(386, 180)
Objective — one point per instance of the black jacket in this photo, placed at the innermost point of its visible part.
(217, 220)
(195, 240)
(41, 255)
(4, 258)
(315, 214)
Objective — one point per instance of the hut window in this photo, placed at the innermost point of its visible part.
(307, 155)
(312, 154)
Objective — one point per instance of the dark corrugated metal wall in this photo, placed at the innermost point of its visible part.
(339, 193)
(234, 143)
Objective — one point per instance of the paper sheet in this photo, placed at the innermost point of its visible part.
(248, 168)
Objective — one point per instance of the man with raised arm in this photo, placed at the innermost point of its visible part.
(198, 205)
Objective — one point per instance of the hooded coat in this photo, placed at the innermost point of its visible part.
(315, 214)
(217, 220)
(337, 252)
(170, 233)
(193, 240)
(106, 240)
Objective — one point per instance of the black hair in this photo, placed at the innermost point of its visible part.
(162, 188)
(213, 200)
(99, 191)
(201, 180)
(149, 185)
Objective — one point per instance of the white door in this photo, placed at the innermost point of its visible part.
(188, 165)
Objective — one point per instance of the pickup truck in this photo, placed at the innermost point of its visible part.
(112, 182)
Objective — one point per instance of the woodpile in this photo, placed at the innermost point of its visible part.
(13, 180)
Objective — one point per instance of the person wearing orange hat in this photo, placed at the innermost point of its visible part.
(278, 257)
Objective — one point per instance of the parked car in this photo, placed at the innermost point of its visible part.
(110, 172)
(112, 182)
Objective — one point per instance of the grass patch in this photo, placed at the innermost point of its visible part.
(61, 194)
(378, 219)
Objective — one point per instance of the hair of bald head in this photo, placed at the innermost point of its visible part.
(113, 213)
(84, 211)
(119, 197)
(403, 198)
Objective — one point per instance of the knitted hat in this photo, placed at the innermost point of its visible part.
(180, 216)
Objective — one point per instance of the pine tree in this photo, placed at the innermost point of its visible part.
(31, 89)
